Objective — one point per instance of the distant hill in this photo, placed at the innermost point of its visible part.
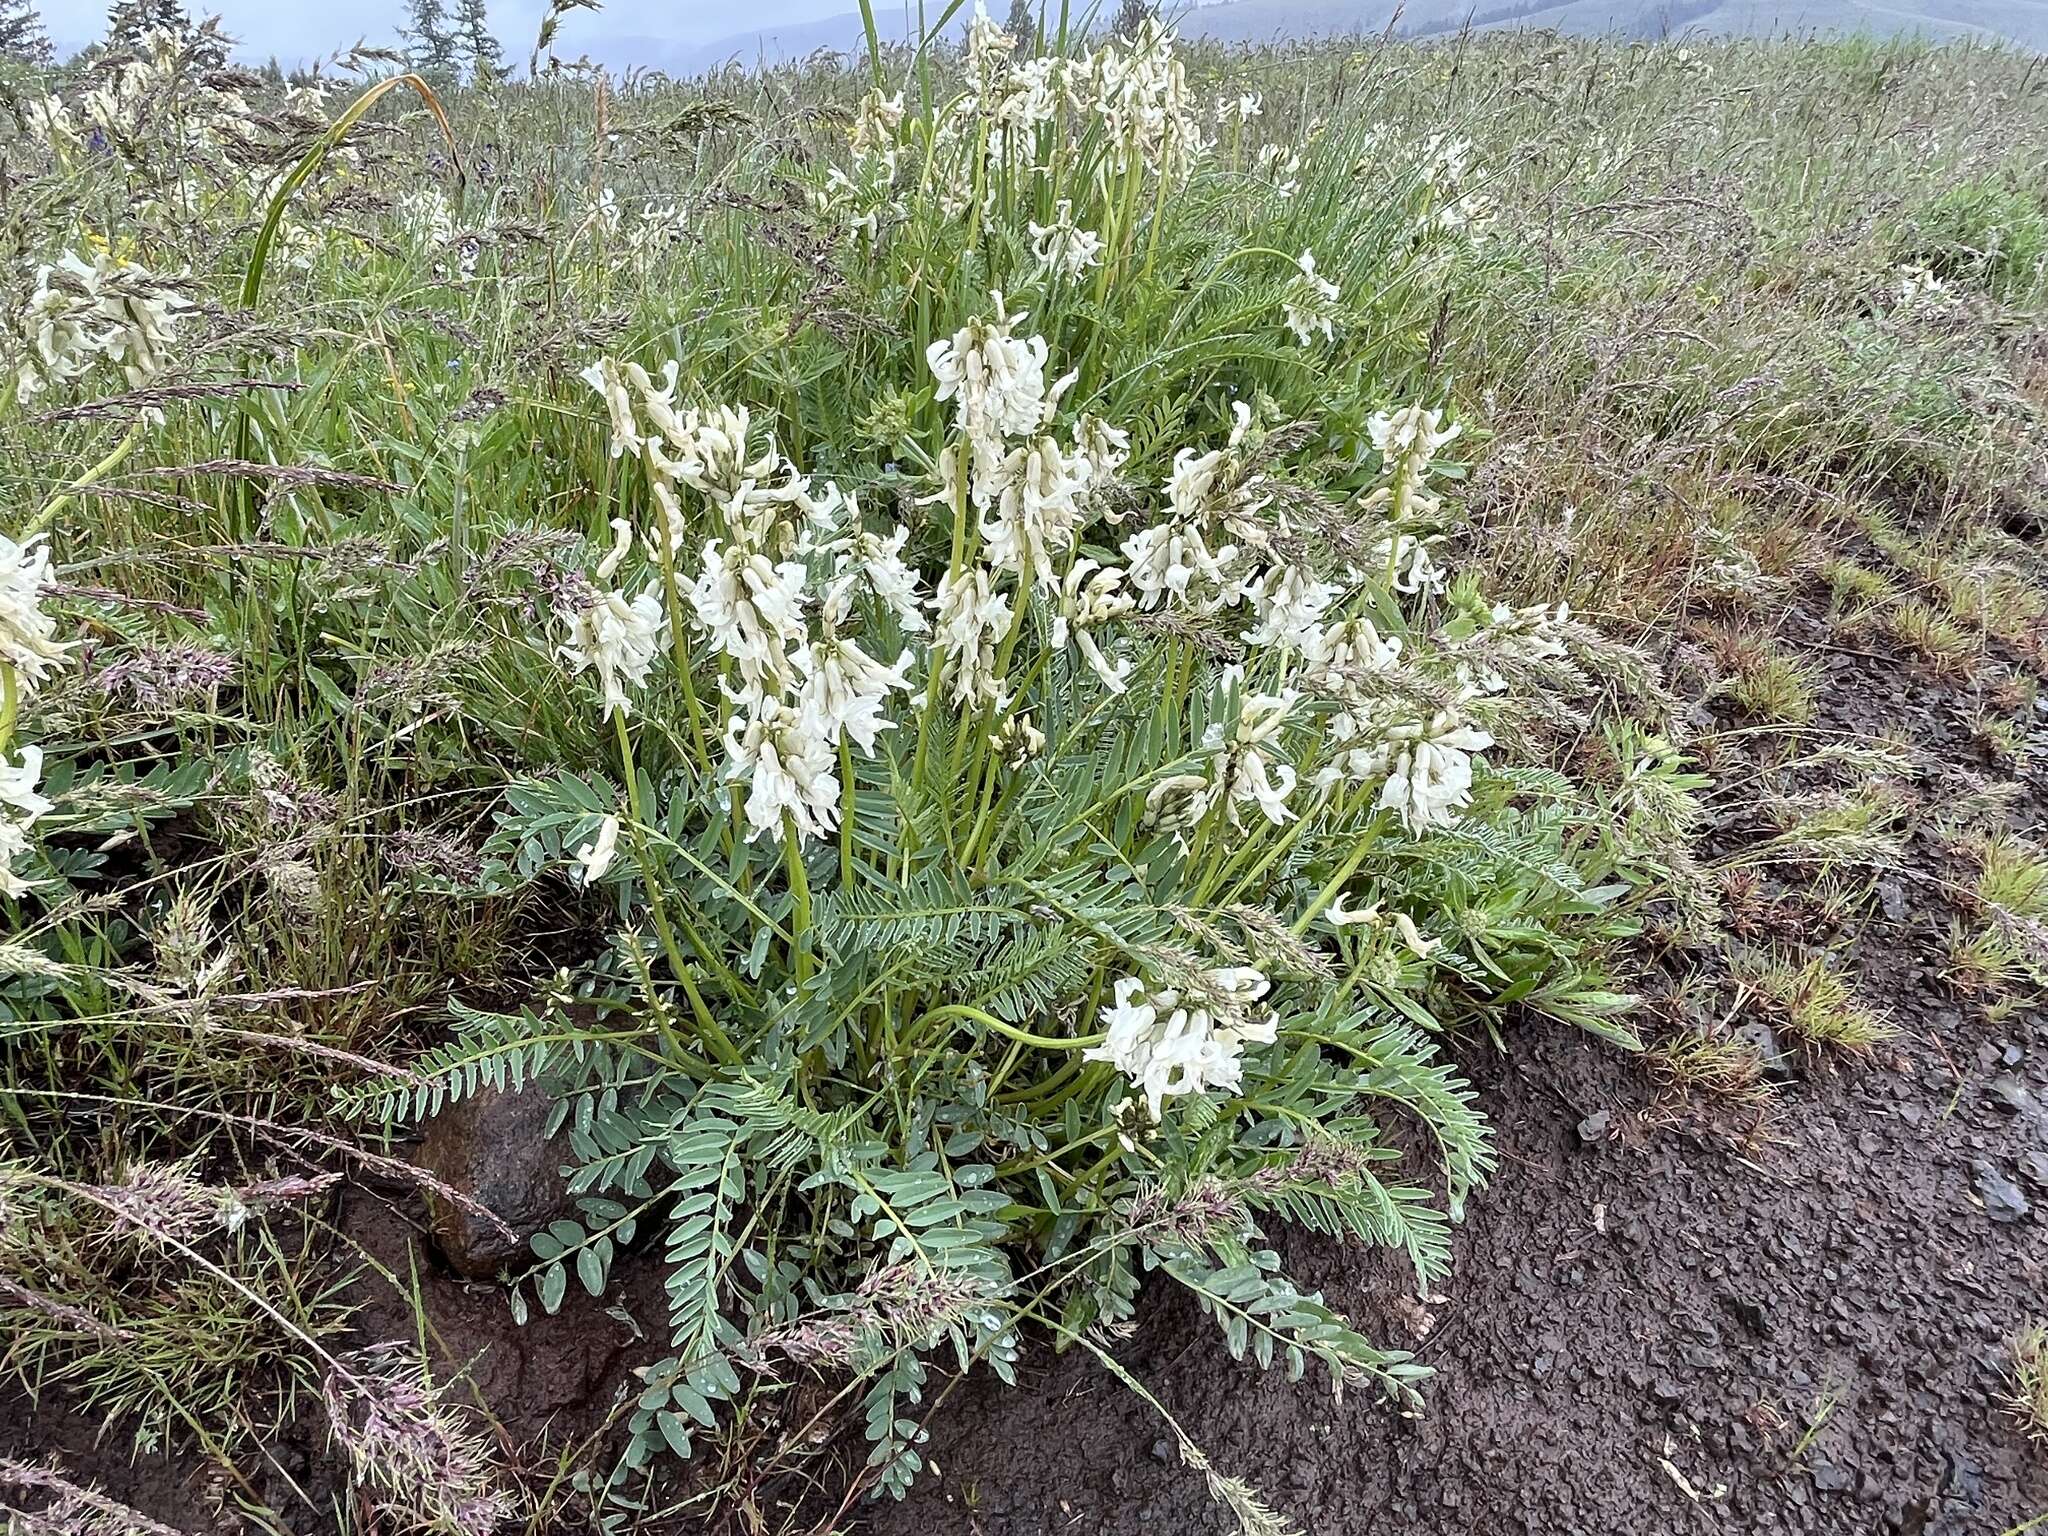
(2020, 22)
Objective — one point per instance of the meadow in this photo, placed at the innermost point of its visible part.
(710, 784)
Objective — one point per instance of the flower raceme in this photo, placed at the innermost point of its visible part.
(1310, 303)
(1171, 1041)
(82, 312)
(613, 635)
(20, 806)
(29, 648)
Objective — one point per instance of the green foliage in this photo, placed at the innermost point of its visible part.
(1989, 231)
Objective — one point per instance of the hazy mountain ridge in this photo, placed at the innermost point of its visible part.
(2021, 22)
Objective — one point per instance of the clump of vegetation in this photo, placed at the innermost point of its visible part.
(1932, 635)
(2012, 876)
(1815, 1004)
(1699, 1062)
(1855, 589)
(2026, 1397)
(1989, 231)
(1767, 682)
(988, 723)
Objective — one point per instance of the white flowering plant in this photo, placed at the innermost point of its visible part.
(1047, 833)
(1020, 786)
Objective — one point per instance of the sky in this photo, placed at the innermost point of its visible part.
(296, 31)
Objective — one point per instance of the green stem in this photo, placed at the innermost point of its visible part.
(800, 895)
(680, 645)
(1336, 883)
(721, 1044)
(1008, 1031)
(10, 705)
(105, 467)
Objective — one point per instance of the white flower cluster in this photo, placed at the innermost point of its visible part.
(1062, 249)
(20, 806)
(798, 681)
(1135, 91)
(1409, 440)
(1280, 164)
(1310, 303)
(1454, 206)
(1428, 764)
(1172, 562)
(864, 200)
(1139, 92)
(1244, 767)
(29, 651)
(612, 635)
(165, 90)
(1172, 1041)
(803, 681)
(79, 313)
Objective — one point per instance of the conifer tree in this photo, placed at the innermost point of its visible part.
(475, 43)
(129, 21)
(429, 45)
(21, 33)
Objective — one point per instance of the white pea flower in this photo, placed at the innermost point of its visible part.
(1166, 560)
(606, 378)
(1310, 303)
(1017, 740)
(752, 608)
(972, 619)
(1169, 1042)
(1288, 604)
(1338, 914)
(594, 858)
(1091, 595)
(1428, 765)
(784, 754)
(614, 636)
(20, 805)
(1408, 562)
(1100, 450)
(1531, 633)
(1241, 110)
(1062, 247)
(1351, 645)
(1025, 98)
(1246, 768)
(1191, 488)
(28, 643)
(877, 563)
(1037, 511)
(1423, 948)
(845, 689)
(996, 379)
(1281, 165)
(1413, 434)
(1180, 801)
(80, 312)
(875, 124)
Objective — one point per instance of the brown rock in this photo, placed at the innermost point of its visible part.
(493, 1149)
